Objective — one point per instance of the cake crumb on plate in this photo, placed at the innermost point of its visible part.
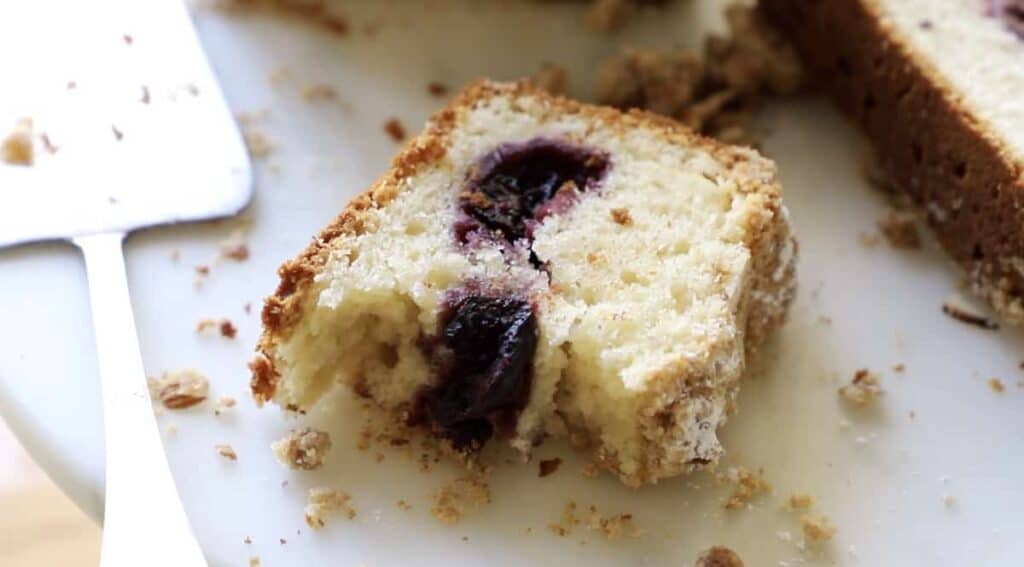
(862, 390)
(303, 449)
(548, 467)
(748, 486)
(323, 502)
(457, 498)
(223, 404)
(996, 385)
(16, 148)
(393, 127)
(799, 501)
(227, 451)
(817, 528)
(719, 556)
(180, 389)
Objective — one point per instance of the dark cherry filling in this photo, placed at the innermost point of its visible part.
(484, 352)
(517, 185)
(1011, 12)
(486, 358)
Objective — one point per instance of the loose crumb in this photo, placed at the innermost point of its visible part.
(567, 521)
(118, 134)
(622, 217)
(234, 247)
(202, 270)
(437, 89)
(454, 500)
(319, 92)
(247, 540)
(799, 501)
(719, 556)
(548, 467)
(748, 486)
(227, 452)
(899, 229)
(303, 449)
(551, 78)
(996, 385)
(899, 368)
(180, 389)
(223, 404)
(862, 390)
(323, 502)
(16, 148)
(949, 500)
(714, 92)
(259, 145)
(613, 527)
(404, 506)
(171, 429)
(254, 561)
(817, 528)
(224, 326)
(395, 129)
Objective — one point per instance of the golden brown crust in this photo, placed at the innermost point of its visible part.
(963, 177)
(285, 306)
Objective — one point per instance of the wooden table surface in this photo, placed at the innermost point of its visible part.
(38, 524)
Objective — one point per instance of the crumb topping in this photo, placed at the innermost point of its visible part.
(303, 449)
(180, 389)
(394, 129)
(862, 390)
(719, 556)
(321, 503)
(817, 528)
(16, 148)
(227, 452)
(747, 487)
(460, 497)
(548, 467)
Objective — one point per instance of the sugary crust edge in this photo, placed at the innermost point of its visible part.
(282, 309)
(961, 175)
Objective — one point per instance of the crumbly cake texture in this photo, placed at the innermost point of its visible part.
(642, 328)
(936, 85)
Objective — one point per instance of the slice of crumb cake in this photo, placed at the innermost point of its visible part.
(532, 266)
(938, 86)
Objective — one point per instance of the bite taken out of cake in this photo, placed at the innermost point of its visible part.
(535, 267)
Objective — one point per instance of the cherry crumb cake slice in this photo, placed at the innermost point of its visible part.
(939, 87)
(536, 267)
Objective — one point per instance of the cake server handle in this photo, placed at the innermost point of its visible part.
(144, 522)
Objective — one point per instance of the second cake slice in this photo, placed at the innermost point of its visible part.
(531, 267)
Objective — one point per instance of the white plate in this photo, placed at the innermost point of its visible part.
(882, 478)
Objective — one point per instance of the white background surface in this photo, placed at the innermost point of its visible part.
(882, 477)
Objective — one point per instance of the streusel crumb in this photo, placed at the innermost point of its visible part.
(303, 449)
(748, 486)
(719, 556)
(227, 452)
(323, 502)
(799, 501)
(16, 149)
(454, 500)
(180, 389)
(817, 528)
(862, 390)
